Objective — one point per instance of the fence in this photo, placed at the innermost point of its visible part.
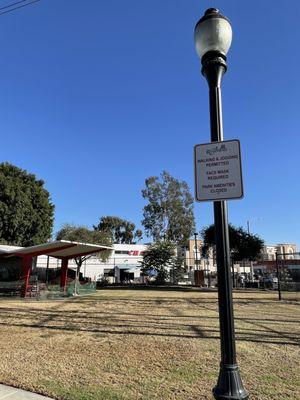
(44, 284)
(288, 276)
(203, 272)
(282, 274)
(52, 291)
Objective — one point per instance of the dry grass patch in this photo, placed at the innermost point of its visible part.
(147, 344)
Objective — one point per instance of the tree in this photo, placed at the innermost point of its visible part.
(169, 214)
(138, 235)
(26, 210)
(242, 244)
(178, 269)
(159, 257)
(120, 230)
(82, 234)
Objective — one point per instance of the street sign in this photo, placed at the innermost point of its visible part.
(218, 171)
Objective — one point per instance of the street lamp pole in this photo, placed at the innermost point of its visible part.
(251, 265)
(213, 36)
(196, 250)
(208, 271)
(278, 277)
(248, 227)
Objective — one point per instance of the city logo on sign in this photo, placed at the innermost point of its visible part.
(216, 150)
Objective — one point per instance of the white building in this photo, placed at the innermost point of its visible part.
(123, 264)
(194, 259)
(288, 249)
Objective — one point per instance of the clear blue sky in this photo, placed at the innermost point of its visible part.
(98, 95)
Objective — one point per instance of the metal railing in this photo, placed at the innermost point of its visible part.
(288, 275)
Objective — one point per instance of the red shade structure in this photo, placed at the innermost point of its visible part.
(60, 249)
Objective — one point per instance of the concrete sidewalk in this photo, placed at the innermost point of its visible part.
(11, 393)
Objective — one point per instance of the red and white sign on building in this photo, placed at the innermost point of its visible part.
(133, 252)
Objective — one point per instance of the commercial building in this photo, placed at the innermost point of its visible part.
(55, 262)
(195, 261)
(123, 264)
(288, 249)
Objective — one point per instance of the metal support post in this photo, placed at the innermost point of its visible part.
(229, 385)
(196, 251)
(278, 277)
(64, 274)
(27, 264)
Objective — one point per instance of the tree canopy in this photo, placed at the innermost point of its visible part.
(26, 210)
(158, 257)
(120, 230)
(83, 234)
(169, 213)
(242, 244)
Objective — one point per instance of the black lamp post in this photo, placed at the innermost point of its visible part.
(196, 250)
(213, 36)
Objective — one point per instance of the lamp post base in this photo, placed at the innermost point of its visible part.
(230, 385)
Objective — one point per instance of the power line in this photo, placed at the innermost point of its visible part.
(12, 4)
(16, 8)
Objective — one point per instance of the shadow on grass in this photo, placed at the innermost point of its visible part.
(175, 324)
(196, 333)
(194, 289)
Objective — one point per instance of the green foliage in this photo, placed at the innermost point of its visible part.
(242, 244)
(138, 235)
(158, 257)
(169, 214)
(82, 234)
(177, 270)
(26, 211)
(82, 392)
(120, 230)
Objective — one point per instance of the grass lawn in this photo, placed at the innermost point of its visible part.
(147, 344)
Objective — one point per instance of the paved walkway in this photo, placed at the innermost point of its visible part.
(11, 393)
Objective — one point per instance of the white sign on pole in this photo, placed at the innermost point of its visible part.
(218, 171)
